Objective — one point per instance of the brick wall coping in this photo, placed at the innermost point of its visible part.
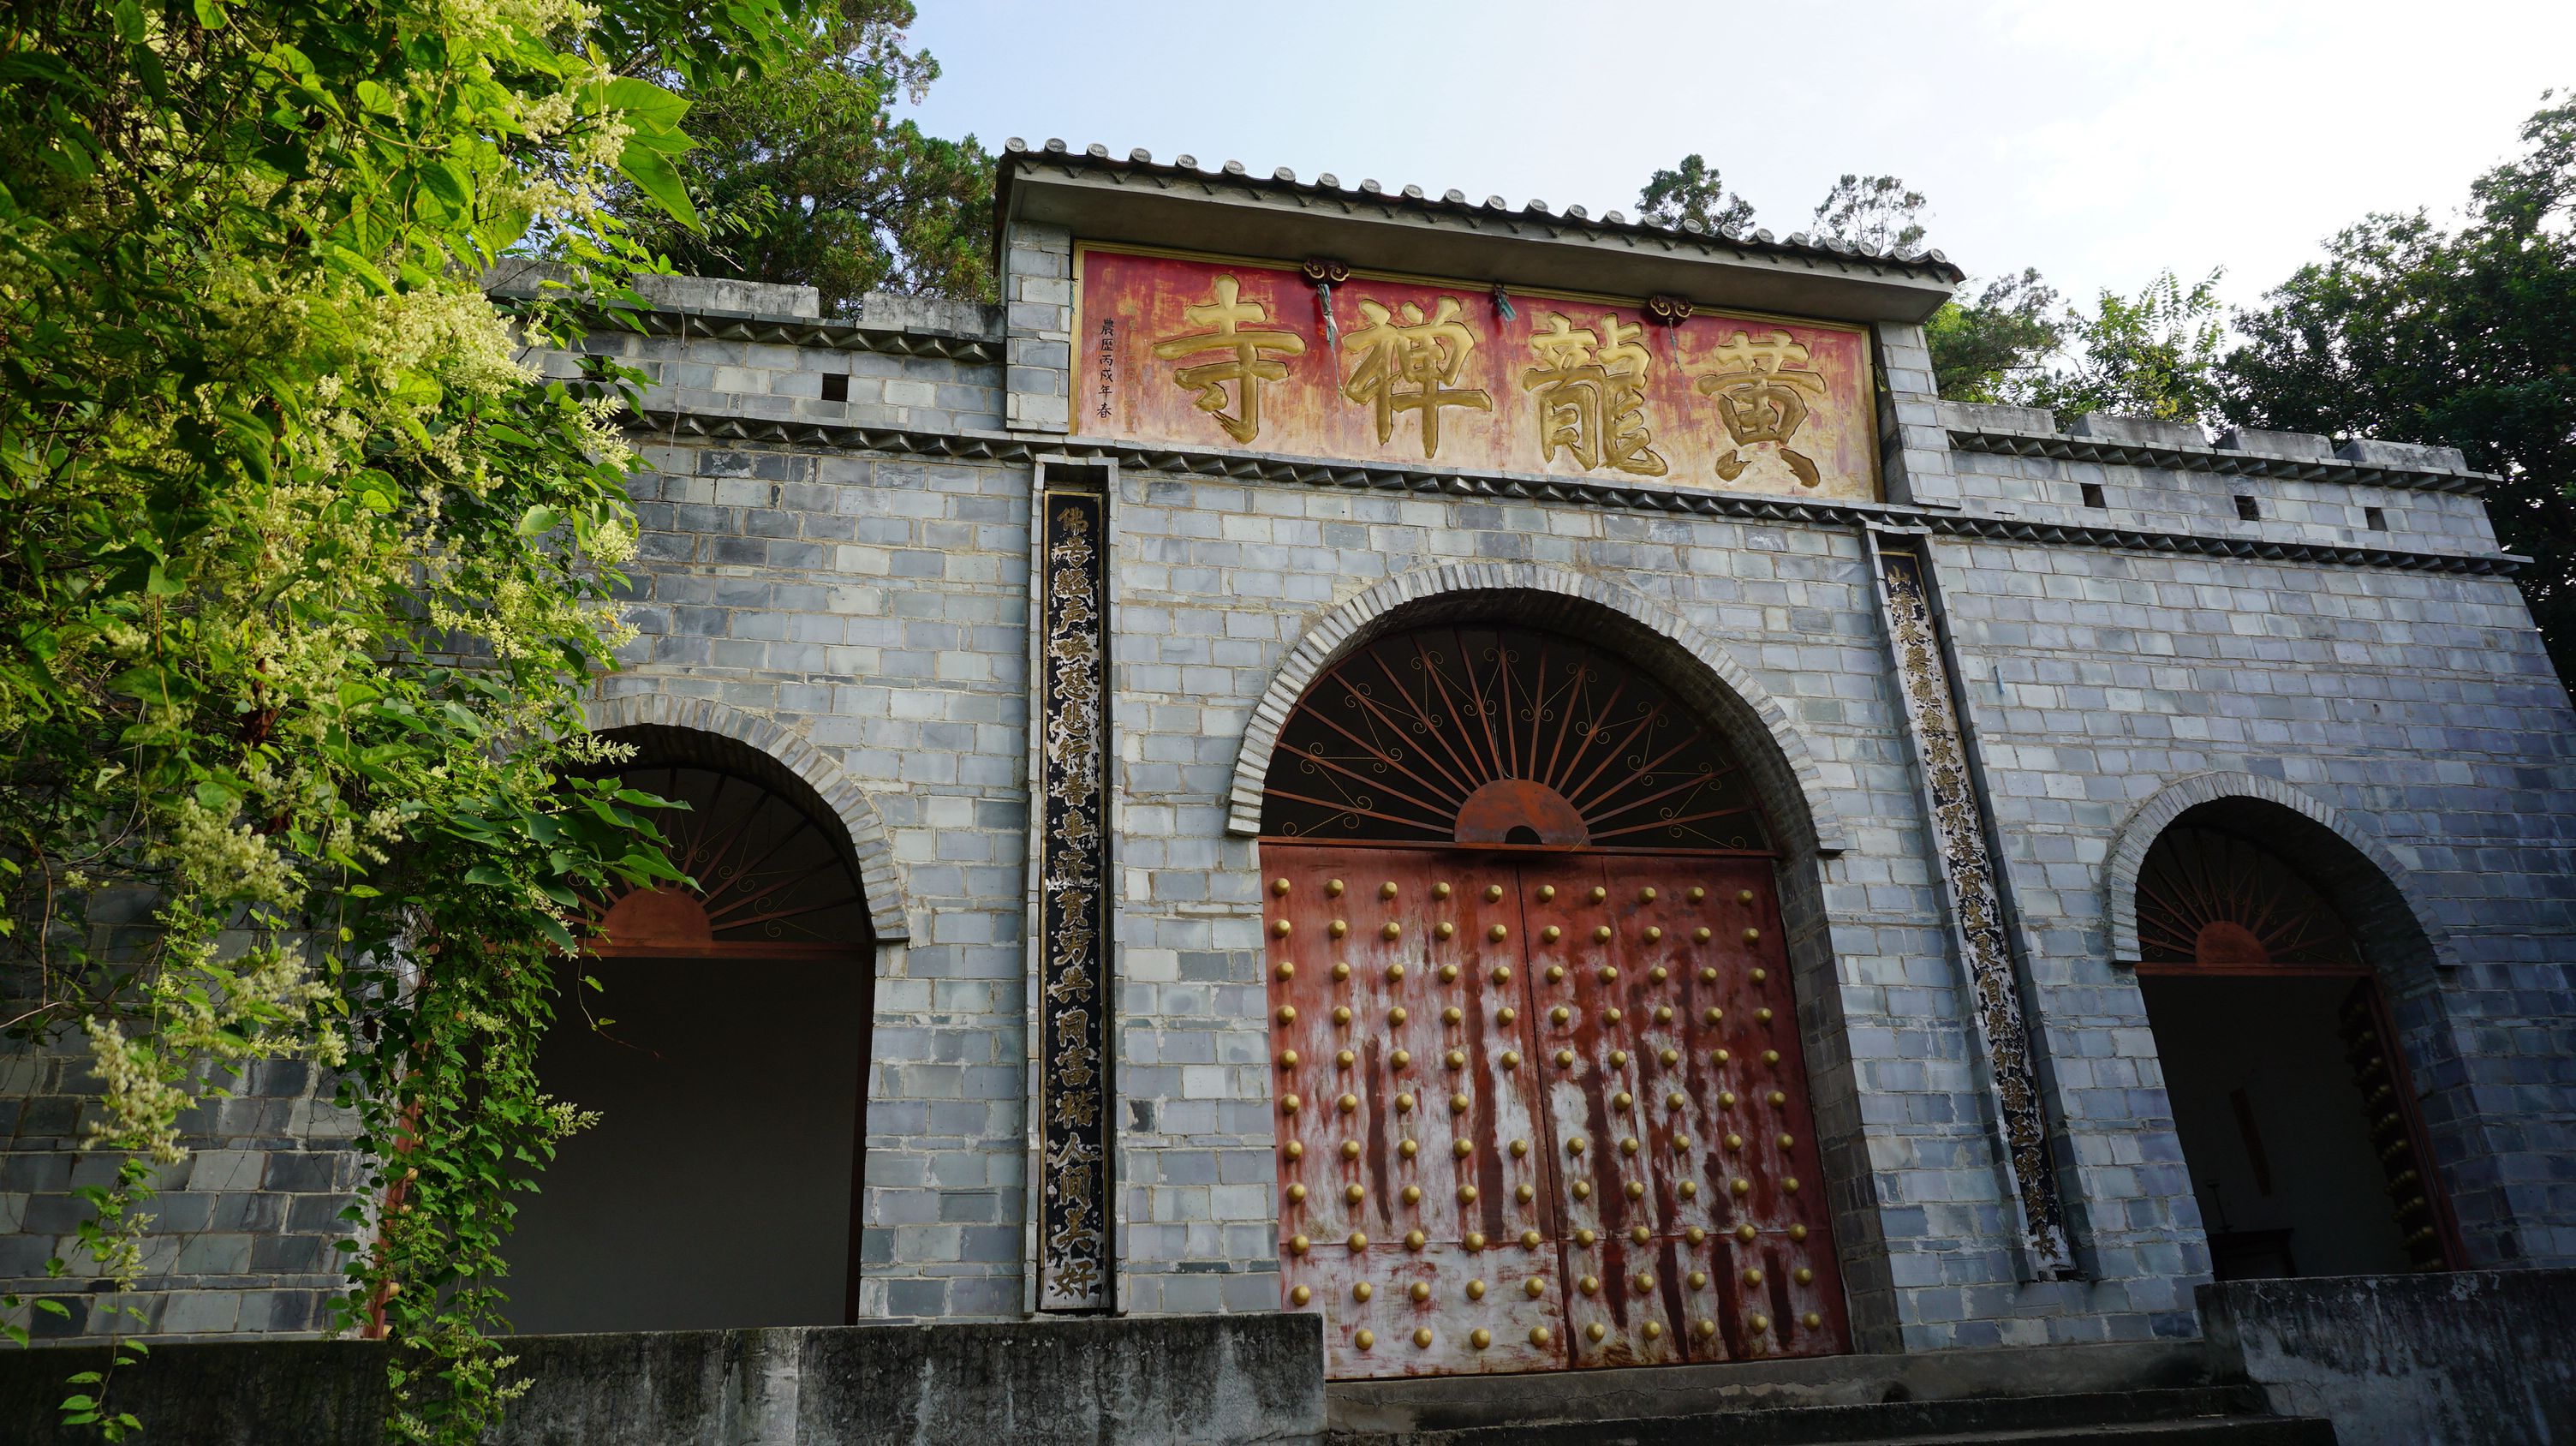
(1271, 467)
(2146, 442)
(692, 323)
(716, 308)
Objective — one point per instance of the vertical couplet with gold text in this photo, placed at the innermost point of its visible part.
(1070, 866)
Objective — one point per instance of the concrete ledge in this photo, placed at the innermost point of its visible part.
(2470, 1358)
(2139, 431)
(1151, 1381)
(1457, 1403)
(713, 308)
(2181, 446)
(1996, 417)
(2406, 456)
(716, 293)
(2283, 446)
(521, 277)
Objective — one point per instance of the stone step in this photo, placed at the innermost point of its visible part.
(1452, 1403)
(2232, 1415)
(2203, 1431)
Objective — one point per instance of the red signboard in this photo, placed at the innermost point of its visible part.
(1209, 353)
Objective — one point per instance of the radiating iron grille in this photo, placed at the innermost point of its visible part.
(765, 872)
(2206, 897)
(1497, 737)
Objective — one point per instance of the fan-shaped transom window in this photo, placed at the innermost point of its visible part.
(1499, 737)
(768, 875)
(2213, 899)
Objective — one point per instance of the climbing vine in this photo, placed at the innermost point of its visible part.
(304, 569)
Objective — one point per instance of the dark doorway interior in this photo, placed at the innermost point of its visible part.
(2277, 1134)
(715, 1191)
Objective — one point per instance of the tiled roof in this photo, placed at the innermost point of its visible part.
(1929, 264)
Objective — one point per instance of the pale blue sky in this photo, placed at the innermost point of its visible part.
(2099, 142)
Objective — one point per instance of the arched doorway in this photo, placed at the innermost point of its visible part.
(2282, 1057)
(1541, 1097)
(725, 1049)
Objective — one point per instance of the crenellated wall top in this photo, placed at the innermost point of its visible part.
(2241, 452)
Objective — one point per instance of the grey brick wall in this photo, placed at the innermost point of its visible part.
(2419, 706)
(783, 380)
(865, 595)
(1914, 446)
(877, 608)
(2182, 499)
(241, 1232)
(1037, 303)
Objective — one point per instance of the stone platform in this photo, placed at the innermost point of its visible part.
(2478, 1358)
(2178, 1392)
(1162, 1381)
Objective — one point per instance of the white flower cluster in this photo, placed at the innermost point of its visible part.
(216, 857)
(584, 750)
(563, 1117)
(142, 1103)
(612, 542)
(207, 1012)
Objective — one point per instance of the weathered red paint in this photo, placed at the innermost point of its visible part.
(1129, 301)
(1499, 810)
(1537, 1101)
(656, 918)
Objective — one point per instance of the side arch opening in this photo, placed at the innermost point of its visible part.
(725, 1049)
(2293, 1004)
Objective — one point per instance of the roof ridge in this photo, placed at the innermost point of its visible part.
(1929, 261)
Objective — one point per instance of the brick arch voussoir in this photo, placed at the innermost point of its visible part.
(2139, 833)
(880, 874)
(1390, 604)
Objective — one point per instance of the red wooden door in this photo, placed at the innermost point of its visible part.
(1415, 1212)
(1539, 1110)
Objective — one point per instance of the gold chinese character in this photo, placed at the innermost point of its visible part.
(1756, 384)
(1238, 328)
(1406, 364)
(1592, 397)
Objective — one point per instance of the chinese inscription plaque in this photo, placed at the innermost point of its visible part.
(1202, 352)
(1407, 363)
(1241, 329)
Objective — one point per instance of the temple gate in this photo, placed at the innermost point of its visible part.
(1541, 1097)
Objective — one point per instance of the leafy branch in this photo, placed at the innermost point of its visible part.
(304, 571)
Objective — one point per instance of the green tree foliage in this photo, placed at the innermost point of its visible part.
(2152, 355)
(806, 177)
(303, 573)
(1986, 349)
(1990, 349)
(1693, 193)
(1876, 212)
(2461, 336)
